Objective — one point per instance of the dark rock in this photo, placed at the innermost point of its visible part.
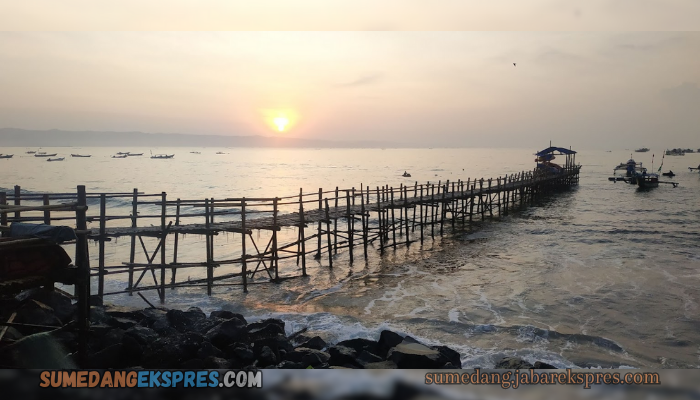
(192, 343)
(267, 357)
(12, 334)
(112, 337)
(142, 334)
(543, 365)
(290, 365)
(265, 329)
(60, 304)
(165, 352)
(227, 332)
(450, 355)
(240, 355)
(37, 351)
(132, 350)
(194, 363)
(308, 357)
(162, 327)
(122, 323)
(365, 357)
(184, 321)
(381, 365)
(315, 343)
(512, 363)
(208, 350)
(124, 312)
(279, 344)
(360, 344)
(37, 313)
(341, 355)
(223, 314)
(98, 315)
(387, 341)
(215, 363)
(415, 356)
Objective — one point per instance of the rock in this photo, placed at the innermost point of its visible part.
(37, 313)
(192, 343)
(184, 321)
(278, 344)
(360, 344)
(194, 363)
(59, 303)
(165, 352)
(37, 351)
(240, 355)
(132, 350)
(308, 357)
(543, 365)
(265, 329)
(381, 365)
(512, 363)
(387, 341)
(12, 334)
(267, 357)
(122, 323)
(112, 337)
(450, 355)
(366, 357)
(142, 334)
(215, 363)
(290, 365)
(227, 332)
(315, 343)
(341, 355)
(223, 314)
(409, 355)
(208, 350)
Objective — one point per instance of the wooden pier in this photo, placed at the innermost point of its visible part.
(319, 225)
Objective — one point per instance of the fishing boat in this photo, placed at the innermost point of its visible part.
(6, 155)
(642, 150)
(44, 155)
(220, 152)
(163, 156)
(195, 152)
(120, 156)
(406, 174)
(134, 154)
(81, 155)
(669, 173)
(691, 169)
(30, 152)
(55, 159)
(675, 152)
(121, 153)
(627, 171)
(645, 181)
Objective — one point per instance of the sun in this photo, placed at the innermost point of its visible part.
(281, 123)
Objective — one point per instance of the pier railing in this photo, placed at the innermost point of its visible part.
(316, 224)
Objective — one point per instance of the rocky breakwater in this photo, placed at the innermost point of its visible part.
(157, 338)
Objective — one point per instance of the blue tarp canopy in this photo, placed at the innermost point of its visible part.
(55, 234)
(549, 150)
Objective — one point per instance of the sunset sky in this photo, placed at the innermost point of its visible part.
(593, 89)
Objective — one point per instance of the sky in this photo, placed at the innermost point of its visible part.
(591, 88)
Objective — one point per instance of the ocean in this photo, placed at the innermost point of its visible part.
(602, 275)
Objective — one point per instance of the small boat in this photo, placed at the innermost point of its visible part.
(6, 155)
(406, 174)
(120, 156)
(647, 180)
(630, 170)
(121, 153)
(675, 152)
(44, 155)
(163, 156)
(691, 169)
(55, 159)
(642, 150)
(669, 173)
(81, 155)
(31, 152)
(220, 152)
(195, 152)
(134, 154)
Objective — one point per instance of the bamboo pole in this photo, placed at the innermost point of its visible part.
(17, 200)
(302, 237)
(320, 211)
(379, 214)
(210, 270)
(101, 260)
(349, 217)
(328, 237)
(173, 271)
(47, 211)
(393, 226)
(244, 256)
(82, 287)
(275, 258)
(364, 218)
(132, 254)
(162, 247)
(405, 207)
(335, 224)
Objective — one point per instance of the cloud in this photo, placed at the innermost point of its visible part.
(369, 79)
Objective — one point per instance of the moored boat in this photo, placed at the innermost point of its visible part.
(44, 155)
(627, 171)
(647, 180)
(642, 150)
(81, 155)
(120, 156)
(6, 155)
(55, 159)
(163, 156)
(31, 152)
(134, 154)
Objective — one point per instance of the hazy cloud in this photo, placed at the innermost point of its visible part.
(369, 79)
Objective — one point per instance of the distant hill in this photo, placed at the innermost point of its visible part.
(13, 137)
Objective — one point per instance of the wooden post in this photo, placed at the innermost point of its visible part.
(381, 230)
(302, 235)
(335, 223)
(82, 262)
(364, 225)
(132, 254)
(275, 256)
(401, 209)
(442, 206)
(173, 270)
(320, 214)
(244, 256)
(47, 213)
(3, 215)
(328, 237)
(421, 213)
(162, 246)
(17, 201)
(207, 225)
(405, 207)
(101, 260)
(432, 211)
(350, 223)
(393, 226)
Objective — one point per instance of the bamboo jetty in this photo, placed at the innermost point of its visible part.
(319, 224)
